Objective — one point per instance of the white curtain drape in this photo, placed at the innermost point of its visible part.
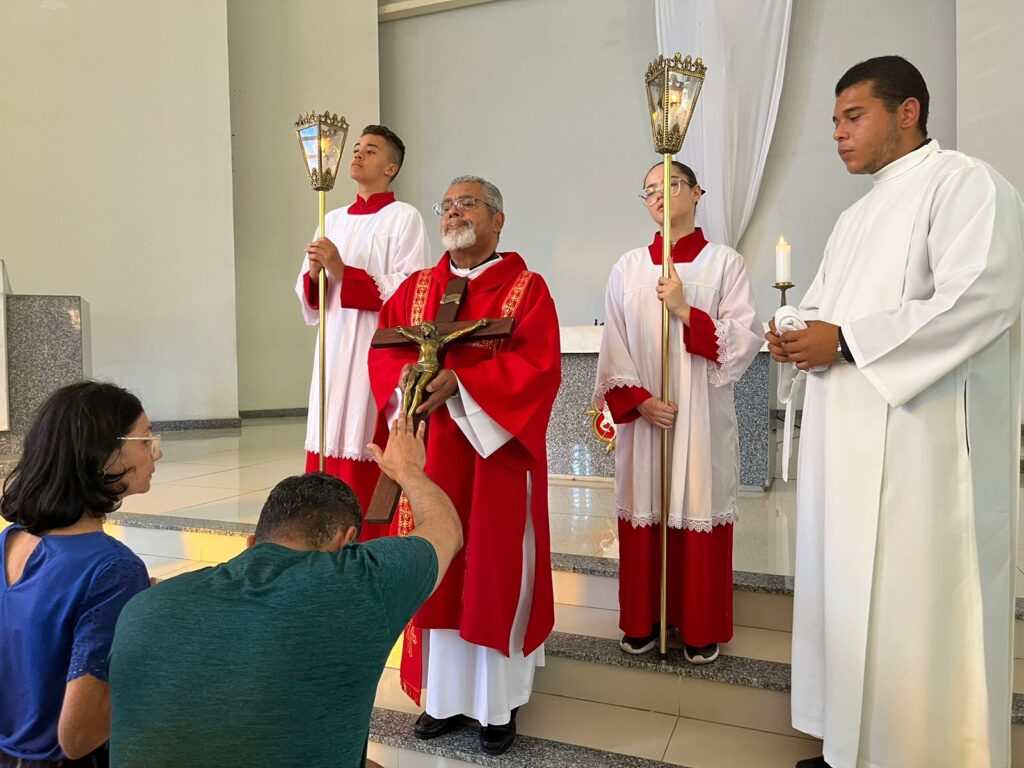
(743, 43)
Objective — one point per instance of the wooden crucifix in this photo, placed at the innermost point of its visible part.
(432, 338)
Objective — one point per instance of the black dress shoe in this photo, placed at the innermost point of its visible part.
(428, 727)
(813, 762)
(496, 739)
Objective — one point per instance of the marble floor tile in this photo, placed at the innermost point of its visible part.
(168, 497)
(408, 759)
(583, 620)
(291, 465)
(700, 744)
(238, 457)
(252, 478)
(173, 471)
(176, 450)
(579, 499)
(757, 643)
(584, 535)
(243, 508)
(391, 696)
(600, 726)
(162, 567)
(385, 757)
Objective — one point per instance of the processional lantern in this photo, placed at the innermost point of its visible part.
(322, 143)
(673, 86)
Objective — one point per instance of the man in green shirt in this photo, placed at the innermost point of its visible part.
(273, 657)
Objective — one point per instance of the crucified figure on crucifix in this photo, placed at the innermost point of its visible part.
(430, 342)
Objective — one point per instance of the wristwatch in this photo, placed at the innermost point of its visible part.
(840, 357)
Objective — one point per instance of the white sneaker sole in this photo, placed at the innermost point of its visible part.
(698, 660)
(637, 651)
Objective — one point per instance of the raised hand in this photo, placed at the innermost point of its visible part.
(405, 453)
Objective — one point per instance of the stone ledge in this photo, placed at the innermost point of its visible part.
(394, 729)
(608, 567)
(732, 670)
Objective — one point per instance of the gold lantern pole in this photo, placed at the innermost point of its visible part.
(322, 142)
(673, 86)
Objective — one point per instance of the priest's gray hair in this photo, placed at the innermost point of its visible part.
(492, 195)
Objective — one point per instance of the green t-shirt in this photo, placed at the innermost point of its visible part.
(270, 659)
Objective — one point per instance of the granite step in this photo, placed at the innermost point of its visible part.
(735, 690)
(394, 730)
(761, 600)
(615, 734)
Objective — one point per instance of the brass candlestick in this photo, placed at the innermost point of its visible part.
(673, 86)
(783, 287)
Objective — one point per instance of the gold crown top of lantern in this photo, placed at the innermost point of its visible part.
(321, 142)
(673, 86)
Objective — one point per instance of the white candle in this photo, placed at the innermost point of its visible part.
(782, 261)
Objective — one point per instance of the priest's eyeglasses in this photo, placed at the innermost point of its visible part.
(462, 203)
(153, 441)
(650, 194)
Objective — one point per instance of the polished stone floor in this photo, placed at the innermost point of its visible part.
(227, 474)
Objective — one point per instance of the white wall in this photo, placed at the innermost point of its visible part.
(989, 61)
(805, 185)
(546, 100)
(287, 59)
(116, 169)
(493, 90)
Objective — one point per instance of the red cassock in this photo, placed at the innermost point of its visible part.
(515, 381)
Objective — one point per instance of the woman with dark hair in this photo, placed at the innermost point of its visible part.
(65, 580)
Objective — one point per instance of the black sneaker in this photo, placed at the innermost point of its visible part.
(428, 727)
(813, 762)
(496, 739)
(700, 654)
(637, 645)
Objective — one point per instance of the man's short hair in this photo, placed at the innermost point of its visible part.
(312, 508)
(396, 145)
(492, 195)
(893, 80)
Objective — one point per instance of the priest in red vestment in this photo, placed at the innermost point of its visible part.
(476, 642)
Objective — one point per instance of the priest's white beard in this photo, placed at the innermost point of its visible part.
(460, 237)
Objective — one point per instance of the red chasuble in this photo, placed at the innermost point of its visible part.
(515, 381)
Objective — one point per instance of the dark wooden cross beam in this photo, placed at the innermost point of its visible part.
(495, 329)
(387, 493)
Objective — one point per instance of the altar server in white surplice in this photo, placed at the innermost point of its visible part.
(909, 456)
(368, 250)
(714, 334)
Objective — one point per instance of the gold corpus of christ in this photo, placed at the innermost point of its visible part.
(672, 86)
(387, 493)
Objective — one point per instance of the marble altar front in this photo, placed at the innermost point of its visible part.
(574, 450)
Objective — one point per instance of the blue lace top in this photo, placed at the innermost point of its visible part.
(57, 624)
